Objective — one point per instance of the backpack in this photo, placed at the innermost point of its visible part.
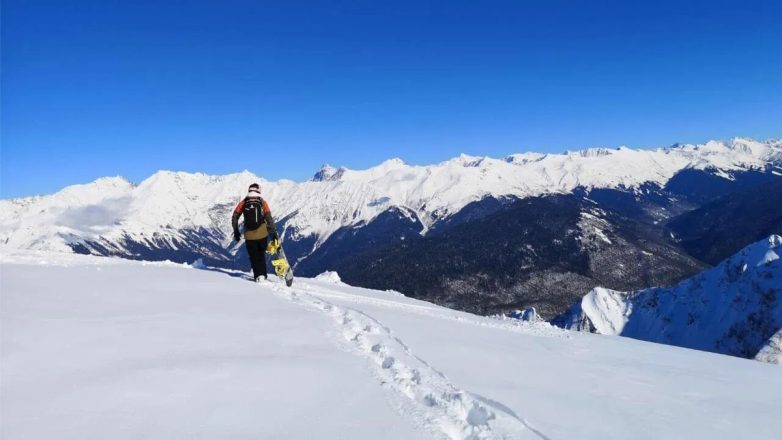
(253, 213)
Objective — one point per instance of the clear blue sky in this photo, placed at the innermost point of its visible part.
(100, 87)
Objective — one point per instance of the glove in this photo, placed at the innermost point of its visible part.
(237, 236)
(273, 236)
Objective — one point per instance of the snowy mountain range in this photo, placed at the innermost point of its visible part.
(608, 203)
(734, 308)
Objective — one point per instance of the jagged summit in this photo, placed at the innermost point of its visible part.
(466, 160)
(328, 173)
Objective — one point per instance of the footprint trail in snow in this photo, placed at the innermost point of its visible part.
(418, 389)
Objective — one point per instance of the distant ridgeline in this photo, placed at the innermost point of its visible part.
(474, 233)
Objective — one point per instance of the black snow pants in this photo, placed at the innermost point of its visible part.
(256, 249)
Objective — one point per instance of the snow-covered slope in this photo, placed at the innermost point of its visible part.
(96, 347)
(734, 308)
(165, 210)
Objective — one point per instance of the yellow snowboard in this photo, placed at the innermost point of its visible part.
(279, 261)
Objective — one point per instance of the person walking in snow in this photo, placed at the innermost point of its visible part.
(258, 228)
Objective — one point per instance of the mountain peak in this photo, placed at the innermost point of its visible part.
(466, 160)
(102, 185)
(328, 173)
(761, 252)
(112, 181)
(390, 164)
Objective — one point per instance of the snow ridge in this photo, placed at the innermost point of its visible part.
(420, 390)
(734, 308)
(538, 328)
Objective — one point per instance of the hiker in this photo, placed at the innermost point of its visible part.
(258, 228)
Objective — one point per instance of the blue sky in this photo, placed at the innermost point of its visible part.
(101, 87)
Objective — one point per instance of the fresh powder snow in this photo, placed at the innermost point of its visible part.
(96, 347)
